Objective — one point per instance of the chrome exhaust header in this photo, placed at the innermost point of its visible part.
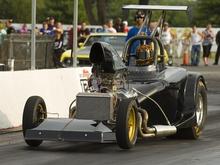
(155, 130)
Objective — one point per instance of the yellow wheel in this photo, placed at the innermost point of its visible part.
(126, 124)
(131, 123)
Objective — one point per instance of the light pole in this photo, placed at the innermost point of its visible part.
(75, 24)
(33, 37)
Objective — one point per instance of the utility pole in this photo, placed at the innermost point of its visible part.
(75, 24)
(33, 36)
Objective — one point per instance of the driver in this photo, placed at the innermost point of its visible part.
(139, 20)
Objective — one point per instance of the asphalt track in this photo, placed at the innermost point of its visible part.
(162, 151)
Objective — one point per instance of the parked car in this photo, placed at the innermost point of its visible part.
(117, 40)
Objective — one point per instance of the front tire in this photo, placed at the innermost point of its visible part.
(126, 124)
(67, 62)
(34, 113)
(196, 129)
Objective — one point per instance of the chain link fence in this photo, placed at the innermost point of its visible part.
(15, 52)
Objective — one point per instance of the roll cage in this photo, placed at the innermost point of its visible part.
(157, 29)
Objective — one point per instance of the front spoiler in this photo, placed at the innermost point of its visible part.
(71, 130)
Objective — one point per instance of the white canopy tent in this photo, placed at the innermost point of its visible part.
(33, 35)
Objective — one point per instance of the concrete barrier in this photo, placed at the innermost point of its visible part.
(58, 87)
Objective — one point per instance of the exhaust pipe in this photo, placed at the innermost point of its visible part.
(164, 130)
(155, 130)
(141, 131)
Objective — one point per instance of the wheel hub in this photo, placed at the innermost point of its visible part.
(131, 124)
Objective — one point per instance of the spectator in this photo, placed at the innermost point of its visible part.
(9, 28)
(196, 39)
(70, 39)
(174, 43)
(45, 30)
(51, 23)
(185, 41)
(208, 37)
(125, 26)
(103, 29)
(118, 25)
(2, 32)
(110, 28)
(37, 31)
(83, 32)
(166, 38)
(151, 29)
(58, 45)
(24, 28)
(59, 27)
(217, 40)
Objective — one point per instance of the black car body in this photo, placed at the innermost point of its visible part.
(124, 101)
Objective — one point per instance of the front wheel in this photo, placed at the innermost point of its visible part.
(67, 62)
(126, 124)
(34, 113)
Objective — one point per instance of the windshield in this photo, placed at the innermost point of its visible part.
(115, 41)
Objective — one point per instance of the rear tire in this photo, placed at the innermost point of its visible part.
(195, 130)
(126, 124)
(34, 113)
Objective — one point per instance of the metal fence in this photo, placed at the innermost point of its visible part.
(15, 52)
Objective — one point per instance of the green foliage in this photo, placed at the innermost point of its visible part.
(208, 12)
(61, 10)
(202, 11)
(18, 10)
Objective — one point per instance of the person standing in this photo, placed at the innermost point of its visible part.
(24, 28)
(166, 38)
(9, 28)
(118, 25)
(208, 37)
(51, 23)
(110, 28)
(83, 32)
(58, 44)
(125, 26)
(3, 32)
(217, 40)
(45, 31)
(185, 41)
(196, 39)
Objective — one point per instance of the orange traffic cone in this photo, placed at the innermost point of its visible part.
(185, 58)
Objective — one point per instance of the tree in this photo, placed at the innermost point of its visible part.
(89, 11)
(208, 12)
(101, 11)
(144, 2)
(19, 10)
(96, 11)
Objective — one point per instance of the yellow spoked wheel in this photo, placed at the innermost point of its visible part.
(126, 124)
(131, 124)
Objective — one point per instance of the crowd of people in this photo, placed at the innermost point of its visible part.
(193, 42)
(201, 41)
